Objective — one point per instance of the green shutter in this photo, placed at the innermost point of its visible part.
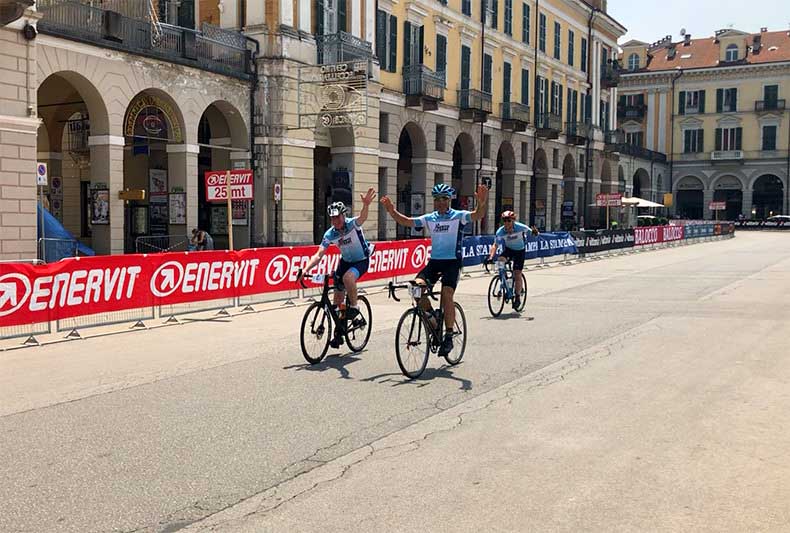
(506, 75)
(342, 10)
(700, 140)
(381, 38)
(718, 139)
(702, 101)
(319, 17)
(734, 99)
(738, 138)
(406, 43)
(422, 44)
(719, 100)
(441, 54)
(466, 66)
(525, 86)
(682, 103)
(392, 64)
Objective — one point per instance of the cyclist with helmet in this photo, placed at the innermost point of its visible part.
(347, 234)
(512, 236)
(444, 225)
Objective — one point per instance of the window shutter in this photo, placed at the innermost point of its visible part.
(341, 15)
(506, 75)
(422, 43)
(622, 100)
(719, 100)
(495, 16)
(734, 99)
(319, 17)
(738, 138)
(559, 109)
(682, 103)
(466, 58)
(718, 139)
(487, 72)
(381, 38)
(687, 141)
(700, 140)
(702, 101)
(406, 43)
(441, 53)
(524, 86)
(393, 61)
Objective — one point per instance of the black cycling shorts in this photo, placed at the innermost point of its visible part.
(517, 256)
(448, 270)
(360, 267)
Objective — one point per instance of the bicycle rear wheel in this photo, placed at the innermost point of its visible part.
(358, 330)
(315, 333)
(459, 337)
(411, 344)
(496, 296)
(523, 293)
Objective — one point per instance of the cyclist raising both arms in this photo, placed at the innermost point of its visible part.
(512, 236)
(347, 234)
(445, 226)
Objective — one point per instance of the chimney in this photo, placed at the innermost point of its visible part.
(763, 30)
(687, 39)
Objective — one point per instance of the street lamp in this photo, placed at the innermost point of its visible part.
(11, 10)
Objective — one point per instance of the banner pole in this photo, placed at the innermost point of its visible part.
(230, 213)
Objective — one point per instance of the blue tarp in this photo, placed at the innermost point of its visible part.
(63, 243)
(476, 249)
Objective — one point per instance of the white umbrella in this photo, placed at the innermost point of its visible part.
(640, 202)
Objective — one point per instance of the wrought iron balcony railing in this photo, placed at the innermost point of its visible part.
(515, 111)
(341, 47)
(419, 80)
(213, 49)
(769, 105)
(474, 99)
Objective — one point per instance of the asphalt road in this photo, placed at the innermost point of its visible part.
(674, 358)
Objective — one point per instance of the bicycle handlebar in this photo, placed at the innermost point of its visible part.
(302, 275)
(391, 288)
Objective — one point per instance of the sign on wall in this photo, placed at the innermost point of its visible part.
(333, 95)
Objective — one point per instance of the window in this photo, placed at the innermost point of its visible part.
(542, 36)
(604, 118)
(769, 137)
(771, 96)
(440, 134)
(466, 67)
(524, 153)
(692, 102)
(525, 23)
(572, 106)
(726, 100)
(557, 40)
(732, 53)
(693, 141)
(581, 162)
(506, 81)
(441, 55)
(466, 7)
(584, 55)
(556, 95)
(525, 86)
(487, 146)
(413, 44)
(555, 158)
(509, 17)
(386, 40)
(728, 139)
(633, 62)
(571, 46)
(491, 12)
(542, 96)
(487, 72)
(384, 126)
(635, 138)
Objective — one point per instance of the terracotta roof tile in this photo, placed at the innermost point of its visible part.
(704, 53)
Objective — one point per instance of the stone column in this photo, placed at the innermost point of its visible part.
(707, 198)
(746, 207)
(107, 170)
(182, 170)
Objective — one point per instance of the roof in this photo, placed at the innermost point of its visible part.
(633, 42)
(705, 53)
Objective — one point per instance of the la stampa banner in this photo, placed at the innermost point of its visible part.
(91, 285)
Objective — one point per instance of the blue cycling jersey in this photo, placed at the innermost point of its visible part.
(350, 240)
(445, 230)
(515, 240)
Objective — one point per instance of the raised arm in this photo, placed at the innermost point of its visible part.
(401, 219)
(367, 199)
(482, 203)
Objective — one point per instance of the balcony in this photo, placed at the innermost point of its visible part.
(612, 139)
(548, 125)
(631, 112)
(639, 152)
(726, 155)
(475, 105)
(515, 116)
(762, 106)
(610, 75)
(423, 87)
(213, 49)
(578, 132)
(341, 47)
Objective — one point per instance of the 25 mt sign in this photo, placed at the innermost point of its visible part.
(240, 185)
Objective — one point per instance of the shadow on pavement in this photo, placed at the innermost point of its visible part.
(337, 362)
(396, 379)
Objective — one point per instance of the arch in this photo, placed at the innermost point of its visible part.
(539, 187)
(463, 172)
(606, 177)
(226, 120)
(411, 177)
(569, 167)
(727, 181)
(55, 90)
(729, 188)
(641, 183)
(767, 196)
(145, 100)
(417, 138)
(505, 179)
(541, 162)
(690, 197)
(690, 182)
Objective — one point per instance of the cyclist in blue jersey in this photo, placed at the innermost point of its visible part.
(347, 234)
(512, 236)
(444, 225)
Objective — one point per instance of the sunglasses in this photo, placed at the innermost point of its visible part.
(441, 197)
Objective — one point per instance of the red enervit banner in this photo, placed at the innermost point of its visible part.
(657, 234)
(91, 285)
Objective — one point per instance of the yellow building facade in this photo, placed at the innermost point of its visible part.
(716, 106)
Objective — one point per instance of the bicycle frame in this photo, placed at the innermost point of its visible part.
(435, 333)
(502, 271)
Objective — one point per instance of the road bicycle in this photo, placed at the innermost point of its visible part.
(321, 319)
(420, 332)
(501, 290)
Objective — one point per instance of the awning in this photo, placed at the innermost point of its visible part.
(640, 202)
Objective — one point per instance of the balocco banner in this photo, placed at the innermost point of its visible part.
(657, 234)
(91, 285)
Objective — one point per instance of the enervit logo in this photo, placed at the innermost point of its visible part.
(167, 279)
(14, 292)
(277, 269)
(419, 256)
(215, 179)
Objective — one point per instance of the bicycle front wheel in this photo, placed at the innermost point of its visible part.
(496, 296)
(459, 337)
(315, 333)
(358, 330)
(411, 344)
(523, 294)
